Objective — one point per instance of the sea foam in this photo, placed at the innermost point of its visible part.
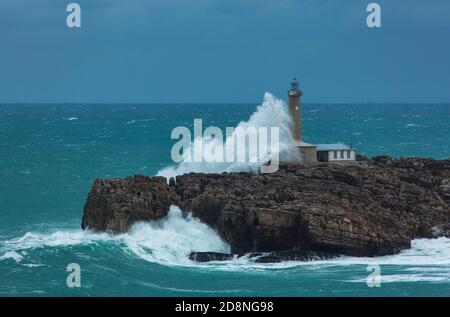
(172, 239)
(271, 113)
(169, 241)
(166, 241)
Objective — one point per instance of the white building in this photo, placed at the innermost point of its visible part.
(310, 153)
(335, 152)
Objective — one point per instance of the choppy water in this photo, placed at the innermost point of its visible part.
(50, 155)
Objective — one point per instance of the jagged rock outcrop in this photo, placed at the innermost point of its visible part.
(365, 208)
(115, 204)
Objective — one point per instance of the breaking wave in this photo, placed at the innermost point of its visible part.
(167, 241)
(271, 113)
(171, 240)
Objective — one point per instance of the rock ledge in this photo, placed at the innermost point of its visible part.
(364, 208)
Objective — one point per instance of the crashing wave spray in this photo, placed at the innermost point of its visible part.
(173, 238)
(271, 113)
(167, 241)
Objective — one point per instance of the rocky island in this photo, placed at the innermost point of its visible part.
(302, 212)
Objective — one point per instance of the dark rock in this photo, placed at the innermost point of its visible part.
(382, 160)
(209, 256)
(115, 204)
(441, 230)
(283, 256)
(363, 208)
(360, 157)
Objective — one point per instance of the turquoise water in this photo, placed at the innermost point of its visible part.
(50, 155)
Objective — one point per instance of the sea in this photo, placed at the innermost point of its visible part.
(50, 155)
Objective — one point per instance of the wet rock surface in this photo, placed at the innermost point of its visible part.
(209, 256)
(292, 255)
(364, 208)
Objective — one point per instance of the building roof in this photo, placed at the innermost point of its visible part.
(333, 147)
(304, 144)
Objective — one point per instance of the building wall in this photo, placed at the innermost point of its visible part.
(322, 156)
(352, 155)
(308, 154)
(342, 155)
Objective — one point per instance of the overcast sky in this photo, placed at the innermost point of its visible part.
(224, 51)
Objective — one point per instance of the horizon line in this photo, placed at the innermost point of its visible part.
(216, 102)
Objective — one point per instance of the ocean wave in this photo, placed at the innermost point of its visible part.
(408, 278)
(169, 242)
(412, 125)
(271, 113)
(34, 240)
(11, 255)
(423, 252)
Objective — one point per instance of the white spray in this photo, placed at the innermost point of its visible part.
(271, 113)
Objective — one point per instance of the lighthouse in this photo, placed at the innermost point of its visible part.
(307, 152)
(294, 95)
